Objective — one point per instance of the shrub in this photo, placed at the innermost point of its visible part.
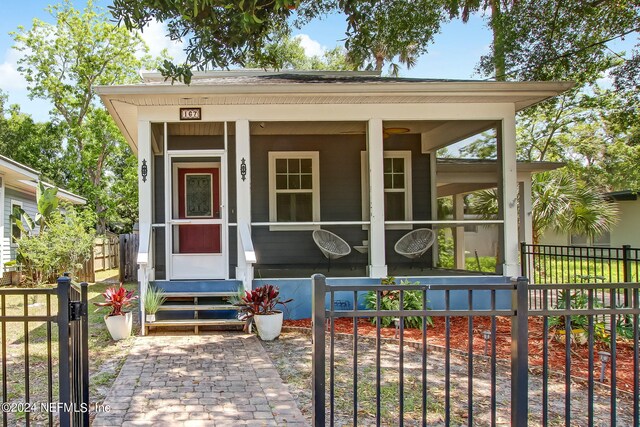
(63, 246)
(390, 300)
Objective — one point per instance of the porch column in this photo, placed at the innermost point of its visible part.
(145, 213)
(459, 260)
(377, 259)
(145, 184)
(244, 270)
(509, 194)
(525, 211)
(433, 191)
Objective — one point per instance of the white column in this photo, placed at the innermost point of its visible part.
(525, 211)
(377, 259)
(145, 211)
(433, 184)
(458, 232)
(509, 184)
(244, 270)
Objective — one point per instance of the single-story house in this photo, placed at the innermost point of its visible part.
(237, 169)
(18, 185)
(626, 231)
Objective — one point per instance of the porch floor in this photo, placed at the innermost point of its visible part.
(305, 271)
(218, 379)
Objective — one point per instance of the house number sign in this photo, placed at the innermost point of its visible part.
(190, 114)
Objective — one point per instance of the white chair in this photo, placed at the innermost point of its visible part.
(331, 245)
(415, 243)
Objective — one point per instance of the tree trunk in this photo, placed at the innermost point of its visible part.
(498, 42)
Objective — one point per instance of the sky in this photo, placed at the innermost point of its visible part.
(453, 55)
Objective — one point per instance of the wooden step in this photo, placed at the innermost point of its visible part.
(222, 294)
(196, 324)
(197, 307)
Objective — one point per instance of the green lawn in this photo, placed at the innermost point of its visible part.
(106, 357)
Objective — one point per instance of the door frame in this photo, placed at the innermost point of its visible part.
(171, 191)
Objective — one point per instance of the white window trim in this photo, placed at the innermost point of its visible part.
(408, 200)
(13, 203)
(315, 187)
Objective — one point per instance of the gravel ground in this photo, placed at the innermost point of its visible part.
(291, 354)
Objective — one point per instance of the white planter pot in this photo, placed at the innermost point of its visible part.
(269, 325)
(119, 326)
(150, 318)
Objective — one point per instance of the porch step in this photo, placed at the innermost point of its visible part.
(220, 294)
(216, 324)
(196, 307)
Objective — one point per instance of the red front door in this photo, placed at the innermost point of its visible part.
(199, 198)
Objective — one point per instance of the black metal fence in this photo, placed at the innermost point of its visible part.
(45, 360)
(501, 367)
(551, 264)
(579, 264)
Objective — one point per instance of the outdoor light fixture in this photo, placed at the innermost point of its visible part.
(605, 356)
(396, 320)
(144, 170)
(487, 336)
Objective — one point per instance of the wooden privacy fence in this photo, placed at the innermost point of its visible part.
(128, 257)
(106, 251)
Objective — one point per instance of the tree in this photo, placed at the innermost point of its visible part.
(287, 53)
(222, 33)
(62, 63)
(38, 145)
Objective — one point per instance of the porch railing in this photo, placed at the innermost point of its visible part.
(425, 388)
(144, 268)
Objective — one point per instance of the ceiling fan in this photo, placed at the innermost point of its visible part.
(386, 132)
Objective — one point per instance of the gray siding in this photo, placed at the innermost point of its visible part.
(340, 195)
(29, 206)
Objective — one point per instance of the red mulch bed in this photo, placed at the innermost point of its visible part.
(459, 328)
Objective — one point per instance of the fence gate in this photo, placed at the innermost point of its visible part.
(45, 355)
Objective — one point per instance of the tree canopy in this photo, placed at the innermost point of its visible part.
(62, 63)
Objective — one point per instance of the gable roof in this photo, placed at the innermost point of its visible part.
(257, 87)
(24, 178)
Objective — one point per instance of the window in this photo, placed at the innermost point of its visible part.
(294, 187)
(16, 233)
(397, 188)
(603, 240)
(578, 240)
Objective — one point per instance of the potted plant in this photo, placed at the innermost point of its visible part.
(119, 322)
(258, 305)
(153, 299)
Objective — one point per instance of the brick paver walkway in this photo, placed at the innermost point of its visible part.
(221, 379)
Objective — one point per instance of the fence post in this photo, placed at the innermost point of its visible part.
(64, 374)
(84, 343)
(626, 269)
(318, 386)
(520, 355)
(523, 259)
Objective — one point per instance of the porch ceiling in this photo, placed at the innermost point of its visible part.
(462, 176)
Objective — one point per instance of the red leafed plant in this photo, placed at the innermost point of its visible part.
(262, 300)
(117, 299)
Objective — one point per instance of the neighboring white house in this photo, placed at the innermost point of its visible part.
(626, 231)
(18, 188)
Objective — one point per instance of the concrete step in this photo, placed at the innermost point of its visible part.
(197, 307)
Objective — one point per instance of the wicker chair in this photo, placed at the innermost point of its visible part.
(331, 245)
(415, 243)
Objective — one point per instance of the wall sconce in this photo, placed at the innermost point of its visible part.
(144, 170)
